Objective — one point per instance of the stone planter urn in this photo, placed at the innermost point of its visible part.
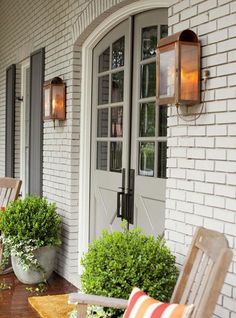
(46, 256)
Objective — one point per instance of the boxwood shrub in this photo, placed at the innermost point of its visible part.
(118, 261)
(28, 224)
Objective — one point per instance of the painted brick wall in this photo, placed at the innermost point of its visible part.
(202, 157)
(26, 26)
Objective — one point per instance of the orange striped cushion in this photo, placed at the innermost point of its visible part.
(142, 306)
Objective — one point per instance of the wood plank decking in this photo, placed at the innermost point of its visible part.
(14, 301)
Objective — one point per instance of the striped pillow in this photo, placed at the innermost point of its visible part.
(142, 306)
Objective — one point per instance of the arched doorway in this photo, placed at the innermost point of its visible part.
(86, 99)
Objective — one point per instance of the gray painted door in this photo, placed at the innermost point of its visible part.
(128, 129)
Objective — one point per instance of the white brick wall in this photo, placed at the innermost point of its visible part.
(26, 26)
(202, 180)
(209, 196)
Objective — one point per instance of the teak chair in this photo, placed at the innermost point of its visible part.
(199, 282)
(9, 191)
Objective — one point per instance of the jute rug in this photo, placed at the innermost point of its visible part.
(55, 306)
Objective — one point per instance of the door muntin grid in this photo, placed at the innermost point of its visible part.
(110, 103)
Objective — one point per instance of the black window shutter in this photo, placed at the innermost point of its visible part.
(36, 125)
(10, 121)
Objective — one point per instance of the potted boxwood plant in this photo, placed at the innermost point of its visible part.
(30, 233)
(116, 262)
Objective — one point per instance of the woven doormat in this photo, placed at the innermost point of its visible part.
(55, 306)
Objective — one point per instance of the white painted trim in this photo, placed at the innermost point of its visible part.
(85, 120)
(24, 66)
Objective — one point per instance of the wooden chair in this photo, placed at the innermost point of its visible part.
(199, 282)
(9, 191)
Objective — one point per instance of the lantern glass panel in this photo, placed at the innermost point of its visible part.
(167, 73)
(58, 104)
(47, 102)
(189, 82)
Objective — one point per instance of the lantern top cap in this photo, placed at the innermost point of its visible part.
(56, 80)
(185, 36)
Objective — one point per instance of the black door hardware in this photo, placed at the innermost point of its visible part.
(125, 198)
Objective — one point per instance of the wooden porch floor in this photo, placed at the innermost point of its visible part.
(14, 301)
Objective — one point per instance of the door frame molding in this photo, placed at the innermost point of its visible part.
(85, 110)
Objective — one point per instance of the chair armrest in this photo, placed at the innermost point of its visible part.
(103, 301)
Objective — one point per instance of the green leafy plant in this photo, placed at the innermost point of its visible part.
(27, 225)
(39, 289)
(4, 285)
(118, 261)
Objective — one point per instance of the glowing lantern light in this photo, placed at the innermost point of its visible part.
(178, 69)
(54, 99)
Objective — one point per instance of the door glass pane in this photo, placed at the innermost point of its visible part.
(102, 155)
(148, 80)
(162, 120)
(164, 31)
(162, 155)
(147, 120)
(118, 53)
(117, 88)
(146, 158)
(103, 90)
(102, 124)
(116, 156)
(117, 122)
(104, 61)
(149, 42)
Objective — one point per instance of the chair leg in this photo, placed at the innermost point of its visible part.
(82, 310)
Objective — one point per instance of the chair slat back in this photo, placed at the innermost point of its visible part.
(9, 190)
(203, 273)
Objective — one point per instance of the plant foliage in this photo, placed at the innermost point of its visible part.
(27, 225)
(118, 261)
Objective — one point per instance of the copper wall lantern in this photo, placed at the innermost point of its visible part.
(54, 99)
(178, 69)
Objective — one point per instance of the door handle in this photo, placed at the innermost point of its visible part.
(121, 205)
(125, 199)
(130, 197)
